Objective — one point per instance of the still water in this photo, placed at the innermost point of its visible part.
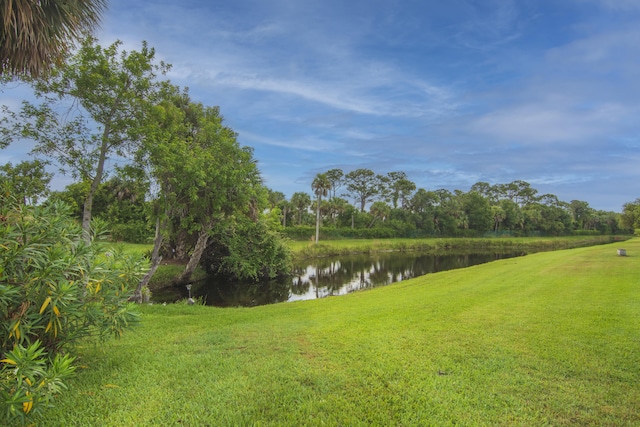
(319, 278)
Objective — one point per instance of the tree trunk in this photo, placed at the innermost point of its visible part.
(97, 179)
(180, 249)
(284, 218)
(156, 258)
(88, 202)
(318, 220)
(194, 260)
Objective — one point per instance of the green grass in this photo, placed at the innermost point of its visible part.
(531, 244)
(547, 339)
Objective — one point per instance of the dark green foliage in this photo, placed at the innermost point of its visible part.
(247, 250)
(630, 218)
(120, 202)
(54, 290)
(27, 181)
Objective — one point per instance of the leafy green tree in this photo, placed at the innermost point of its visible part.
(321, 187)
(513, 215)
(38, 34)
(347, 214)
(517, 191)
(423, 200)
(27, 181)
(607, 222)
(203, 174)
(93, 106)
(553, 220)
(399, 188)
(242, 249)
(363, 185)
(630, 217)
(478, 212)
(581, 214)
(493, 193)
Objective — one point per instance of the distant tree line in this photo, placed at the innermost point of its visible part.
(362, 203)
(359, 204)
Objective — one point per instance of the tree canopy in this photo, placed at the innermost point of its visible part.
(114, 90)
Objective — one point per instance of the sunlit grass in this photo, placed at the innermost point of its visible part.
(532, 244)
(547, 339)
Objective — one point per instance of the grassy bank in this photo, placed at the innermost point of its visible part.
(513, 244)
(547, 339)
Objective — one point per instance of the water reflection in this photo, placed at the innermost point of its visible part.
(328, 277)
(324, 277)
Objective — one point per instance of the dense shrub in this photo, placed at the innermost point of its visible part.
(247, 250)
(54, 290)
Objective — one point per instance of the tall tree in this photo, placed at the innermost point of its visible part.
(27, 181)
(320, 186)
(580, 212)
(335, 177)
(93, 107)
(204, 175)
(37, 34)
(300, 201)
(399, 188)
(363, 185)
(403, 189)
(477, 211)
(491, 192)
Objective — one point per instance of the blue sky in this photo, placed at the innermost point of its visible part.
(451, 92)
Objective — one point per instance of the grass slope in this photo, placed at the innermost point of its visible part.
(548, 339)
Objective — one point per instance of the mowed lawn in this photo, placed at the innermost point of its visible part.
(548, 339)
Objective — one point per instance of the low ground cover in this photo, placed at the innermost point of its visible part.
(547, 339)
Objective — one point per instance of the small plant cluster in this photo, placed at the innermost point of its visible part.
(55, 289)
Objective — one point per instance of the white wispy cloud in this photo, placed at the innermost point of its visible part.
(544, 124)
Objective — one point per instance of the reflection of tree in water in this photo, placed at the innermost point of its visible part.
(219, 292)
(299, 286)
(352, 273)
(324, 277)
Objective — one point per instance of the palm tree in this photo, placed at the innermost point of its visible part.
(379, 210)
(37, 34)
(300, 202)
(320, 186)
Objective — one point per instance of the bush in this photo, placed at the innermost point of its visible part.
(247, 251)
(54, 290)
